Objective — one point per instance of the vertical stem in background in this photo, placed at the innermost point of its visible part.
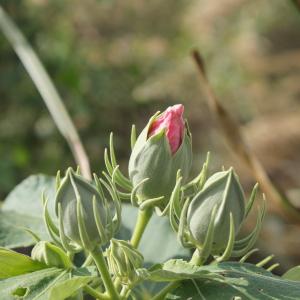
(143, 219)
(107, 280)
(47, 90)
(168, 288)
(238, 145)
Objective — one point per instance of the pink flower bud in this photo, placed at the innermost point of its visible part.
(172, 121)
(161, 149)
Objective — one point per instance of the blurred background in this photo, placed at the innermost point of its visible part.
(117, 62)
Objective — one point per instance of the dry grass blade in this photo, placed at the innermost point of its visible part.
(297, 4)
(235, 139)
(46, 89)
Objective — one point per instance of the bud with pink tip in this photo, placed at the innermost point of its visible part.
(162, 148)
(172, 122)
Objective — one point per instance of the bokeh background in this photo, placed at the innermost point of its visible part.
(117, 62)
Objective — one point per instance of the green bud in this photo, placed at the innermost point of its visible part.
(51, 255)
(153, 165)
(124, 260)
(223, 192)
(78, 202)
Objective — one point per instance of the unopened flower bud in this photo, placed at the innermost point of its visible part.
(51, 255)
(162, 148)
(124, 260)
(77, 203)
(223, 192)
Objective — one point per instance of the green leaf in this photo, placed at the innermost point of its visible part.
(23, 209)
(13, 263)
(26, 197)
(178, 269)
(12, 233)
(31, 286)
(68, 287)
(243, 281)
(158, 235)
(44, 284)
(292, 274)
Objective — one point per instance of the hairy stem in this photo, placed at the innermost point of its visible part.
(143, 219)
(107, 280)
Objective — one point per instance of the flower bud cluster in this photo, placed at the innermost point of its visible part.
(124, 260)
(207, 213)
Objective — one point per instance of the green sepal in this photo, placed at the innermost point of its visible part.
(124, 260)
(50, 255)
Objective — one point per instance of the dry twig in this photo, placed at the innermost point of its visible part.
(235, 139)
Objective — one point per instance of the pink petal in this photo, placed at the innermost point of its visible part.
(171, 119)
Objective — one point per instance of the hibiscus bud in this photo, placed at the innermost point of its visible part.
(171, 120)
(84, 213)
(124, 260)
(162, 148)
(223, 192)
(51, 255)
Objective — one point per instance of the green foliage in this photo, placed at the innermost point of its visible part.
(13, 264)
(44, 284)
(240, 281)
(23, 277)
(23, 209)
(292, 274)
(12, 225)
(26, 197)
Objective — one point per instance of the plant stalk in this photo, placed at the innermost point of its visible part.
(197, 259)
(162, 294)
(95, 294)
(143, 219)
(107, 280)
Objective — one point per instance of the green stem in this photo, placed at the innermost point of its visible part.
(143, 219)
(87, 261)
(197, 259)
(162, 294)
(95, 294)
(107, 280)
(124, 292)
